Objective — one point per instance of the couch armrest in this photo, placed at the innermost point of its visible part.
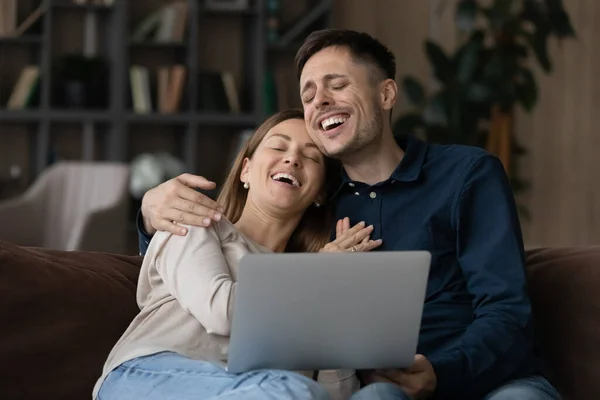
(104, 230)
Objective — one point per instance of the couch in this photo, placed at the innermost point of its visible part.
(63, 311)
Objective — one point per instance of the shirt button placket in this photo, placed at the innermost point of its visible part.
(376, 204)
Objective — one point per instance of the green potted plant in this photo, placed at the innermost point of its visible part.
(482, 82)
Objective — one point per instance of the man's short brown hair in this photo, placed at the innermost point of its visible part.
(363, 48)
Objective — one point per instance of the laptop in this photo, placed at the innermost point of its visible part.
(319, 311)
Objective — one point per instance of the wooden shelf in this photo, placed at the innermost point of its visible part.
(31, 116)
(27, 39)
(35, 115)
(200, 118)
(156, 45)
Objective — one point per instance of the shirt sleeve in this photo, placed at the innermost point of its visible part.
(491, 255)
(196, 273)
(143, 236)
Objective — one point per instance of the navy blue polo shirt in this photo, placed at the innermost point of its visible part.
(456, 202)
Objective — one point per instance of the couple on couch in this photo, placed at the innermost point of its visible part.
(283, 194)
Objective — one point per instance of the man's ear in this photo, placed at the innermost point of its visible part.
(245, 170)
(389, 92)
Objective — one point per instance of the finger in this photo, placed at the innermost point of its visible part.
(344, 235)
(393, 375)
(196, 181)
(346, 226)
(202, 200)
(182, 217)
(187, 206)
(169, 226)
(368, 246)
(338, 228)
(356, 238)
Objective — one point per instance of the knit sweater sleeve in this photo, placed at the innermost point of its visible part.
(196, 272)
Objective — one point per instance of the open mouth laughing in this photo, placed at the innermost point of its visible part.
(287, 179)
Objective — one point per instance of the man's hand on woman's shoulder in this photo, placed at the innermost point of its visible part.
(177, 201)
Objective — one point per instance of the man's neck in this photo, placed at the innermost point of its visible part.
(376, 163)
(269, 231)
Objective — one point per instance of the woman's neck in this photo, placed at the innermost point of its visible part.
(269, 231)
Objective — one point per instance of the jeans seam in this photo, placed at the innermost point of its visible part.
(171, 371)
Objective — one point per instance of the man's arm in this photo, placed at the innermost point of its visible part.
(175, 202)
(143, 236)
(490, 252)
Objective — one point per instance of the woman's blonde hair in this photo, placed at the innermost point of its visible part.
(314, 229)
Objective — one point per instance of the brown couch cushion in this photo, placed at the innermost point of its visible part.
(565, 293)
(62, 313)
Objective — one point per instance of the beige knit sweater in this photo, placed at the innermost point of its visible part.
(186, 292)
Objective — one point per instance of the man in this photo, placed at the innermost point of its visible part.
(454, 201)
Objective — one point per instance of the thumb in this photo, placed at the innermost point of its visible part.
(196, 181)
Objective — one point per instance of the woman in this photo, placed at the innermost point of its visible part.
(176, 348)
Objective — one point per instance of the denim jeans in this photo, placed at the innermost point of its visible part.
(530, 388)
(169, 376)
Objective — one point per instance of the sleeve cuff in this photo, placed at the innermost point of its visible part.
(140, 225)
(448, 369)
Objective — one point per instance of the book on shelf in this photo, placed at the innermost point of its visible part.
(167, 96)
(25, 88)
(167, 25)
(217, 92)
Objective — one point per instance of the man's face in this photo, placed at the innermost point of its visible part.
(341, 102)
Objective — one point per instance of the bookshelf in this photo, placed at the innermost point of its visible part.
(200, 124)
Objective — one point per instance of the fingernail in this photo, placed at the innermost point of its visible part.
(183, 231)
(206, 221)
(361, 223)
(217, 217)
(221, 209)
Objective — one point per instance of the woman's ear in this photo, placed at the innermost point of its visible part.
(389, 92)
(245, 170)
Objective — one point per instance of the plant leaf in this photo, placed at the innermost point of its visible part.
(466, 12)
(468, 62)
(559, 19)
(435, 112)
(527, 90)
(478, 92)
(414, 90)
(442, 66)
(539, 44)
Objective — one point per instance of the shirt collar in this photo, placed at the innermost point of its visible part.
(410, 166)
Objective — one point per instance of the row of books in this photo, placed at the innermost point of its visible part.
(163, 90)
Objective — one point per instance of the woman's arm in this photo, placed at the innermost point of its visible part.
(196, 273)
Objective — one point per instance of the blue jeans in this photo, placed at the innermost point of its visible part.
(170, 376)
(530, 388)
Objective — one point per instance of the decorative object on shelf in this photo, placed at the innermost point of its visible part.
(150, 170)
(487, 76)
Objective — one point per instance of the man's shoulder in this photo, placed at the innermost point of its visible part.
(456, 158)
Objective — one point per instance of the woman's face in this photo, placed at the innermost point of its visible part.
(287, 170)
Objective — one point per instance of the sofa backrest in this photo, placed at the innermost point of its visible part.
(63, 312)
